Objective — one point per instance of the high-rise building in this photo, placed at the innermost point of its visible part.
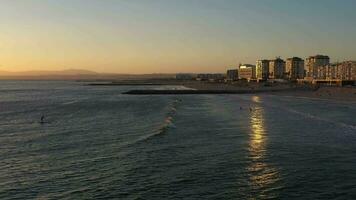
(247, 71)
(331, 71)
(262, 69)
(315, 66)
(277, 68)
(232, 74)
(294, 68)
(346, 70)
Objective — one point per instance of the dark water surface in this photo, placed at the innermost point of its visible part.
(99, 143)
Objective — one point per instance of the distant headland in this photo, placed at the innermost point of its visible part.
(76, 74)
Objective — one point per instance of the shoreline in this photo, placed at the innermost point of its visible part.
(337, 94)
(340, 94)
(196, 87)
(125, 84)
(185, 92)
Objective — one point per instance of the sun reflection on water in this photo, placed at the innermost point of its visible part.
(262, 174)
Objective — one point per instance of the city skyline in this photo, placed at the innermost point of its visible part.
(139, 37)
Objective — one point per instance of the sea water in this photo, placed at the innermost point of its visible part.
(98, 143)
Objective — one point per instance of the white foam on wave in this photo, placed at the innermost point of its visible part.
(70, 102)
(310, 116)
(166, 125)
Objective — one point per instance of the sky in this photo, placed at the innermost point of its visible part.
(169, 36)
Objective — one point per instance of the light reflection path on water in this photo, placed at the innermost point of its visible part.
(262, 175)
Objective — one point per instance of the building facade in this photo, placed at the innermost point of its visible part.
(346, 70)
(262, 69)
(331, 71)
(210, 77)
(343, 73)
(247, 71)
(185, 76)
(277, 69)
(315, 66)
(294, 68)
(232, 75)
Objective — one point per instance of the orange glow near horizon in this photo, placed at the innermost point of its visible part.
(137, 36)
(99, 52)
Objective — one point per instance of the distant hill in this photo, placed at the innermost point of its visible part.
(75, 74)
(44, 73)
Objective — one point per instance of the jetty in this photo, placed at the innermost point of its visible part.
(190, 92)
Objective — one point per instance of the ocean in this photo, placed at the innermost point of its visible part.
(97, 143)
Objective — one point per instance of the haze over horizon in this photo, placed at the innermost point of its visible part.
(168, 36)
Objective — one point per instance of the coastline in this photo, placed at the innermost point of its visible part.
(188, 91)
(340, 94)
(194, 87)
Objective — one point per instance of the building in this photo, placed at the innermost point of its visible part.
(320, 72)
(331, 71)
(232, 75)
(210, 77)
(294, 68)
(277, 69)
(182, 76)
(315, 66)
(345, 71)
(247, 71)
(262, 69)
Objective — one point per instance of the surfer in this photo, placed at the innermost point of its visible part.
(42, 119)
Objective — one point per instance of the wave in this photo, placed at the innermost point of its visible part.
(165, 126)
(310, 116)
(168, 123)
(23, 123)
(313, 98)
(70, 102)
(16, 124)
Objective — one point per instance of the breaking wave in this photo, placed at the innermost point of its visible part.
(167, 124)
(310, 116)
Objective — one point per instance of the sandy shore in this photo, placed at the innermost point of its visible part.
(324, 93)
(233, 87)
(197, 87)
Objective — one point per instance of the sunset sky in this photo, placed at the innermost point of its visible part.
(167, 36)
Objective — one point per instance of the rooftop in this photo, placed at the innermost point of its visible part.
(264, 60)
(277, 60)
(246, 66)
(295, 59)
(319, 57)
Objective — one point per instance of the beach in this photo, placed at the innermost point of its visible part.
(322, 92)
(347, 94)
(205, 87)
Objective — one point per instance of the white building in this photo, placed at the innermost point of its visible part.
(294, 68)
(277, 68)
(247, 71)
(314, 66)
(262, 69)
